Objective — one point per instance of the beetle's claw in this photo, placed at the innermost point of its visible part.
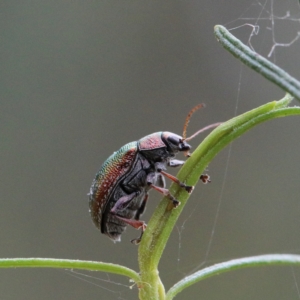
(136, 241)
(187, 153)
(205, 178)
(176, 203)
(189, 189)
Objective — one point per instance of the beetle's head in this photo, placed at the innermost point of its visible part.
(175, 142)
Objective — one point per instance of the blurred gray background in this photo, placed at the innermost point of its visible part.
(79, 79)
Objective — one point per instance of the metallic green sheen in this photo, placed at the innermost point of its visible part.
(112, 170)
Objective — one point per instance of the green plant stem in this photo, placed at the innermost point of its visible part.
(258, 63)
(164, 218)
(69, 264)
(255, 261)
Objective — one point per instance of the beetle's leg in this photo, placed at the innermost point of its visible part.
(137, 217)
(160, 181)
(123, 202)
(138, 240)
(175, 163)
(160, 167)
(188, 188)
(141, 210)
(166, 193)
(205, 178)
(152, 180)
(135, 224)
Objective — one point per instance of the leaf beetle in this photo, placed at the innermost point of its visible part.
(119, 192)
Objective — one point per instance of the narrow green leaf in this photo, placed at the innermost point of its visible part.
(258, 63)
(69, 264)
(246, 262)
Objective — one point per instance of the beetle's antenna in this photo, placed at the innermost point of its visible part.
(203, 129)
(187, 153)
(187, 120)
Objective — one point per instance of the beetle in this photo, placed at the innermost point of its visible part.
(119, 192)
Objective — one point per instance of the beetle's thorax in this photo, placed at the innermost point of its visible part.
(161, 146)
(151, 142)
(153, 148)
